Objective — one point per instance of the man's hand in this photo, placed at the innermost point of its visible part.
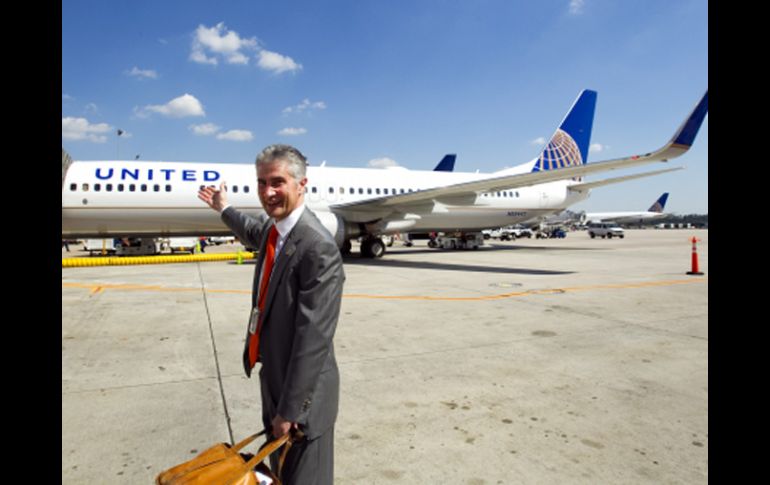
(281, 426)
(215, 198)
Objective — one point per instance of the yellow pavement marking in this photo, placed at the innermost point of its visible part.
(97, 288)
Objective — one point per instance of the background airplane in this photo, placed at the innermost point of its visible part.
(148, 199)
(628, 217)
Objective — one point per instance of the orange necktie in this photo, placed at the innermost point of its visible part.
(267, 268)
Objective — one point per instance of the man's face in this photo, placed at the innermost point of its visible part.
(279, 192)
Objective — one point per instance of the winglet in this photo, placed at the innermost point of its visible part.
(447, 164)
(569, 145)
(686, 134)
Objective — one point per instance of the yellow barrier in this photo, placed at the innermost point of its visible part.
(130, 260)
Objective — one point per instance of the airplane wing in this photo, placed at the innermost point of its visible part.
(600, 183)
(381, 206)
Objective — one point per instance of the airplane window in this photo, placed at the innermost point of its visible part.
(313, 190)
(246, 189)
(386, 191)
(97, 187)
(235, 189)
(409, 190)
(108, 187)
(120, 187)
(85, 187)
(360, 190)
(132, 188)
(402, 191)
(342, 190)
(331, 190)
(144, 187)
(73, 187)
(517, 194)
(369, 191)
(377, 191)
(352, 190)
(168, 188)
(156, 188)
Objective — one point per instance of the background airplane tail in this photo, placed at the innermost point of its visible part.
(659, 204)
(569, 145)
(447, 164)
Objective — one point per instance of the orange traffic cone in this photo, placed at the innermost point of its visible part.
(694, 258)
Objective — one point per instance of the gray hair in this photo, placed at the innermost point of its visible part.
(295, 160)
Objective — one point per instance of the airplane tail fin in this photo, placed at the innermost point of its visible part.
(659, 204)
(66, 161)
(569, 145)
(447, 164)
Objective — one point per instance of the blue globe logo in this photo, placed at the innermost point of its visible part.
(561, 152)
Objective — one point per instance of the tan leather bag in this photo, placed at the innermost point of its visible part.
(223, 464)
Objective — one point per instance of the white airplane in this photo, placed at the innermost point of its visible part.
(655, 210)
(148, 199)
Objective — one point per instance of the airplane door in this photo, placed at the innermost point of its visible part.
(544, 200)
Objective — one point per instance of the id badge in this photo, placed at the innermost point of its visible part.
(253, 319)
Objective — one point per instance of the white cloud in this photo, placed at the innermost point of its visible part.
(292, 131)
(211, 44)
(205, 129)
(201, 58)
(382, 163)
(538, 141)
(272, 61)
(77, 129)
(236, 135)
(306, 104)
(576, 6)
(66, 97)
(142, 73)
(597, 147)
(91, 108)
(181, 107)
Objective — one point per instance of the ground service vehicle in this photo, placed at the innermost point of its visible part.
(470, 240)
(604, 230)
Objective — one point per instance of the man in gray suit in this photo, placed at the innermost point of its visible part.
(294, 313)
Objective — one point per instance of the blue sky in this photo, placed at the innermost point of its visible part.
(366, 82)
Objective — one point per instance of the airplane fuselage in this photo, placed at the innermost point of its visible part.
(124, 198)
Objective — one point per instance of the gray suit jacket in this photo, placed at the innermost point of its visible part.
(299, 377)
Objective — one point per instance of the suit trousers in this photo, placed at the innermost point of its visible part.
(308, 462)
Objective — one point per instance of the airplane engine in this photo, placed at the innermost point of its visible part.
(340, 230)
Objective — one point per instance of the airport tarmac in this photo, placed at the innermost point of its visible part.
(571, 360)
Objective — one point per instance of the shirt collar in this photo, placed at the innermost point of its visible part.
(285, 225)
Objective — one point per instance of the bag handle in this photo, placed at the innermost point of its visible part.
(242, 444)
(265, 452)
(269, 448)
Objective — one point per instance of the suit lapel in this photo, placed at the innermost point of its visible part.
(284, 258)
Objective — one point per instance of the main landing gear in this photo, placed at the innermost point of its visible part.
(372, 247)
